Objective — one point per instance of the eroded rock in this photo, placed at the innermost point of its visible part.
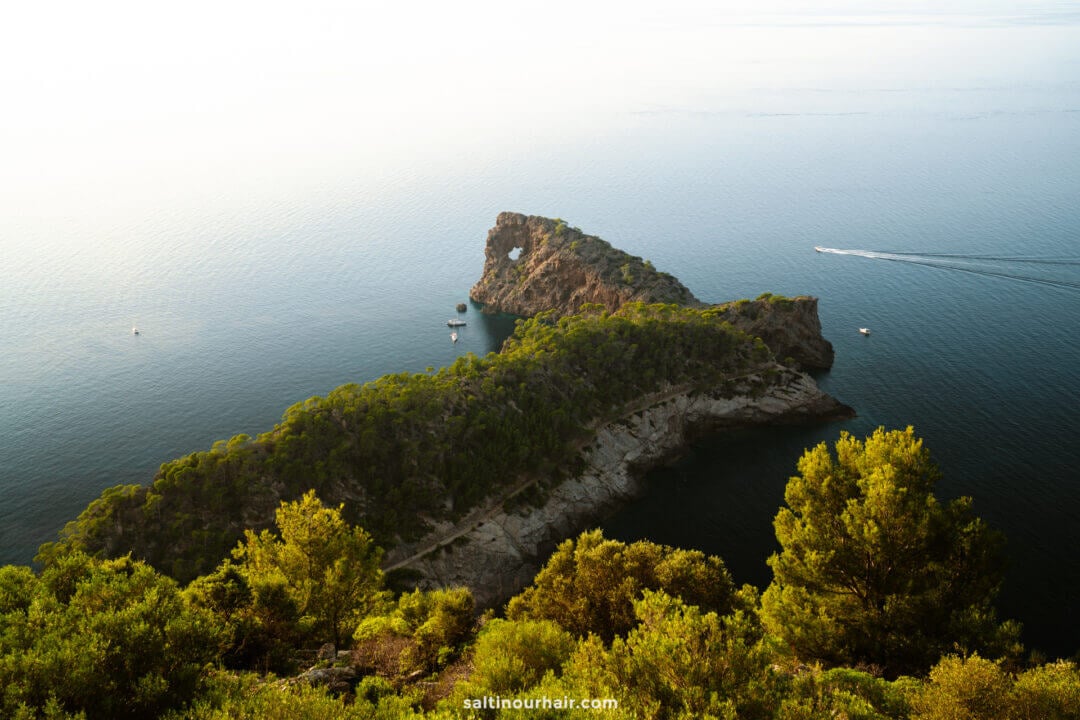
(534, 264)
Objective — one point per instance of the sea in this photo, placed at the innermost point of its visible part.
(283, 199)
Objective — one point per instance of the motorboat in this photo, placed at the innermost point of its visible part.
(455, 322)
(453, 337)
(818, 248)
(864, 331)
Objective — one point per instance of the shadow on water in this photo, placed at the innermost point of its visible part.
(721, 497)
(497, 327)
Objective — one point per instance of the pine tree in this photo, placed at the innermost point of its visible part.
(874, 569)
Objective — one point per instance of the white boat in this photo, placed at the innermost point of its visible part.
(864, 331)
(818, 248)
(455, 323)
(453, 337)
(134, 330)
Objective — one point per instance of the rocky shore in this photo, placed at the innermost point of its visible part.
(497, 552)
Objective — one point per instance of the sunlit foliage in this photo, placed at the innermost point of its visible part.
(422, 633)
(111, 639)
(874, 569)
(589, 585)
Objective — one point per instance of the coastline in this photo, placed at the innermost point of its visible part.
(496, 552)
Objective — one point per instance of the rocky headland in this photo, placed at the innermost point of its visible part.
(472, 474)
(535, 264)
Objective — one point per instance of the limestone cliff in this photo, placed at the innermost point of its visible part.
(789, 326)
(497, 552)
(533, 264)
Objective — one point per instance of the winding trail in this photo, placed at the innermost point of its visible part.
(490, 508)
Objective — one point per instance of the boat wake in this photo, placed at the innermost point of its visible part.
(1006, 267)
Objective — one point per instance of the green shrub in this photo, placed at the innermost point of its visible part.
(511, 656)
(843, 693)
(422, 633)
(972, 688)
(590, 585)
(1049, 692)
(111, 639)
(248, 697)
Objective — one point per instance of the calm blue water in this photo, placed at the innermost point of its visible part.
(723, 155)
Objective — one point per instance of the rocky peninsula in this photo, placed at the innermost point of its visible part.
(535, 264)
(472, 474)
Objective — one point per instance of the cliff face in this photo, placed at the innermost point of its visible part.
(533, 264)
(789, 326)
(560, 268)
(498, 552)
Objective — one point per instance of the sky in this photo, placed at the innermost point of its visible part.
(99, 97)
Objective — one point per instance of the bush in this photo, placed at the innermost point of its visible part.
(589, 585)
(512, 656)
(843, 693)
(111, 639)
(422, 633)
(1049, 692)
(247, 697)
(972, 688)
(680, 662)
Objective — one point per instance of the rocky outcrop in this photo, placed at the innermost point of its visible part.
(789, 326)
(500, 551)
(337, 680)
(533, 264)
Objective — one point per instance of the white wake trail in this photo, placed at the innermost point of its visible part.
(960, 263)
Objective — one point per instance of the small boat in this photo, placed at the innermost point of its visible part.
(453, 337)
(818, 248)
(864, 331)
(455, 322)
(134, 330)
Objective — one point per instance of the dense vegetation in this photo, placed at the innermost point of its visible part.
(113, 639)
(410, 446)
(589, 586)
(874, 570)
(663, 632)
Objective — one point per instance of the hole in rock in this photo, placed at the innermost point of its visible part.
(514, 254)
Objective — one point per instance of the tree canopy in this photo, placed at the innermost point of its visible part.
(100, 639)
(873, 568)
(329, 569)
(589, 585)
